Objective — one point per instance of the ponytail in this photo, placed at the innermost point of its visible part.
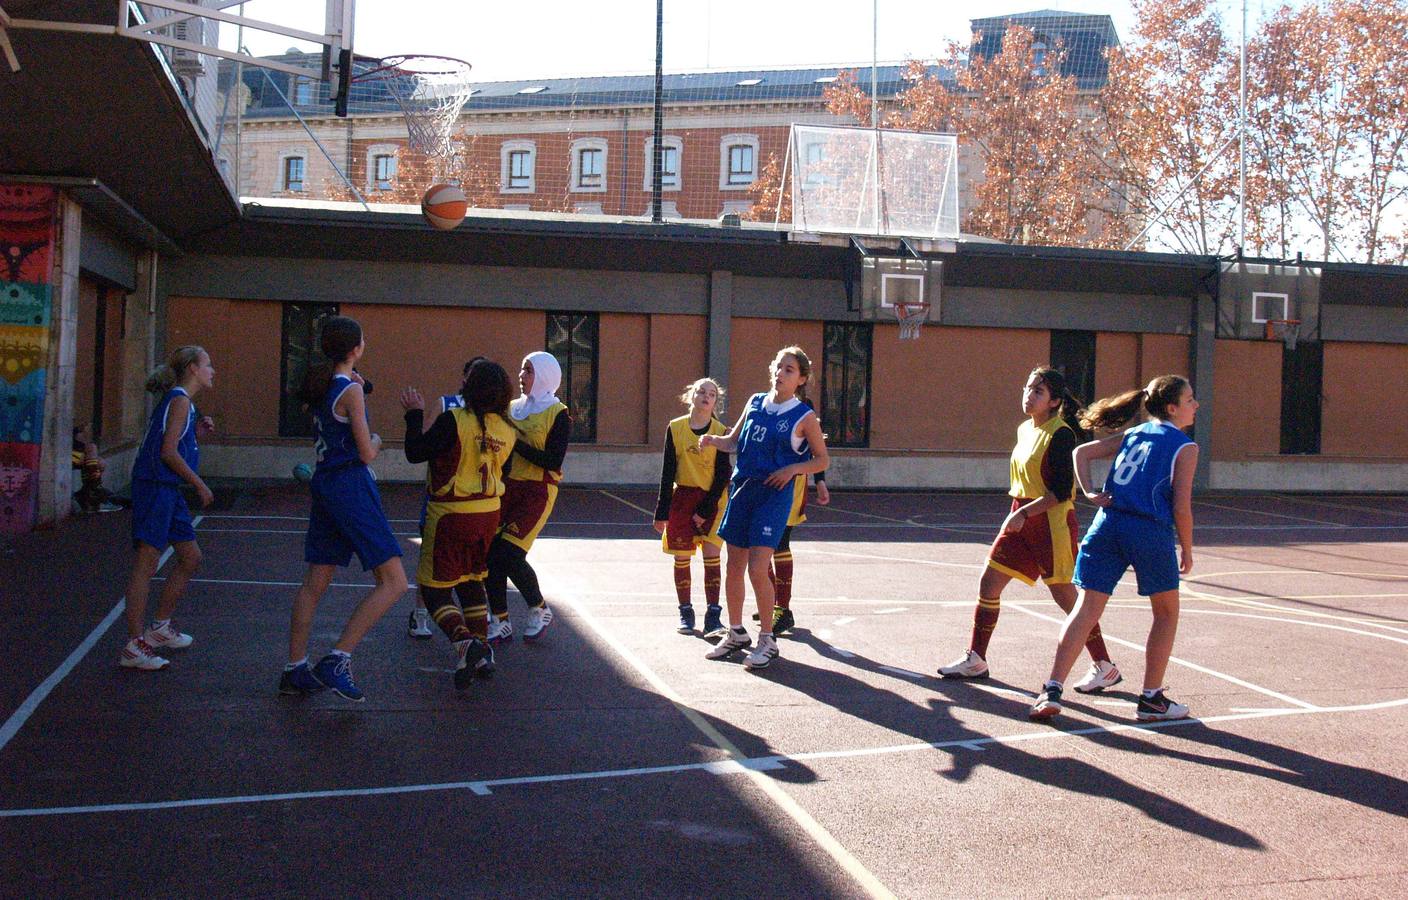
(1155, 399)
(164, 377)
(340, 336)
(1055, 383)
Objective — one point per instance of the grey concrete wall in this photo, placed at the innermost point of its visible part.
(1375, 324)
(1001, 308)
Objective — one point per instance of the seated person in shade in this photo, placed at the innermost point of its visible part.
(91, 496)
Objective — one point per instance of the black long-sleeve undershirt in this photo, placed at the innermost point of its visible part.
(723, 470)
(425, 445)
(1059, 456)
(554, 448)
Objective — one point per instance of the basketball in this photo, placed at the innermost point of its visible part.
(444, 206)
(302, 472)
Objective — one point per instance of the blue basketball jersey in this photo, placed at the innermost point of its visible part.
(148, 466)
(765, 440)
(335, 445)
(451, 401)
(1141, 480)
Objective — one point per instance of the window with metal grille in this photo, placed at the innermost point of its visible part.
(572, 338)
(845, 384)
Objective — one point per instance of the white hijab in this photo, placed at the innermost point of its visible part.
(547, 375)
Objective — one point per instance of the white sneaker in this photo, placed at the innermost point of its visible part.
(167, 638)
(763, 654)
(500, 630)
(419, 625)
(1102, 674)
(733, 641)
(138, 654)
(539, 618)
(969, 665)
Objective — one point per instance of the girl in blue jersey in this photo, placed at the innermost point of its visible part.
(346, 517)
(1147, 501)
(170, 455)
(777, 438)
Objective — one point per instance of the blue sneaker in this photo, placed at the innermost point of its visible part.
(686, 620)
(335, 671)
(299, 680)
(713, 621)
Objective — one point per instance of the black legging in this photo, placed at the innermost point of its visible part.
(507, 560)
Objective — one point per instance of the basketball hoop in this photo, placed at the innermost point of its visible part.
(1284, 330)
(911, 317)
(431, 91)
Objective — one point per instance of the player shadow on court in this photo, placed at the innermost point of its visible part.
(1203, 585)
(936, 723)
(1276, 762)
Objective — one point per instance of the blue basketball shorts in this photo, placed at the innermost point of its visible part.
(346, 518)
(160, 516)
(756, 515)
(1117, 540)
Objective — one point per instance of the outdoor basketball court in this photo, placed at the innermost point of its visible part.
(611, 758)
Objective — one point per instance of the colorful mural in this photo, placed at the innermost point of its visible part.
(27, 216)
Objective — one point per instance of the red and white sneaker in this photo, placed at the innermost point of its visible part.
(138, 654)
(1102, 674)
(167, 638)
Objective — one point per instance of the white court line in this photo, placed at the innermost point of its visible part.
(893, 609)
(844, 620)
(31, 703)
(1258, 512)
(750, 765)
(648, 512)
(907, 673)
(768, 786)
(1285, 698)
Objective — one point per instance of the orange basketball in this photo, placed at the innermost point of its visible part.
(444, 206)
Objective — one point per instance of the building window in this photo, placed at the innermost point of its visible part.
(302, 92)
(293, 173)
(302, 326)
(572, 338)
(738, 161)
(845, 383)
(517, 164)
(671, 151)
(383, 171)
(589, 165)
(814, 156)
(1073, 355)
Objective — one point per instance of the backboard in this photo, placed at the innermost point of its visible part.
(1253, 294)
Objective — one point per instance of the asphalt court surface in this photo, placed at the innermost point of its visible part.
(611, 758)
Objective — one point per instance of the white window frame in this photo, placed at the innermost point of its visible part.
(383, 184)
(506, 151)
(575, 185)
(1258, 296)
(373, 152)
(592, 208)
(736, 207)
(668, 143)
(737, 140)
(283, 171)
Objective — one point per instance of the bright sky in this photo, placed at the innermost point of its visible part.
(548, 38)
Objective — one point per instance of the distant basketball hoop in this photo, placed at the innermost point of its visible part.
(911, 317)
(431, 91)
(1285, 330)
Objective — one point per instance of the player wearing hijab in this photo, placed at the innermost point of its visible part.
(544, 427)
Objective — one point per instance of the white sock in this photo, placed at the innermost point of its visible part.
(289, 667)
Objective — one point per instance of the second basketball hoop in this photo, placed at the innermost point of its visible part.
(431, 91)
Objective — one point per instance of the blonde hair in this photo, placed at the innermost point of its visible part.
(687, 398)
(1155, 399)
(164, 377)
(804, 366)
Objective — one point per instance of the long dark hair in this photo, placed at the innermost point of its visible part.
(340, 336)
(1056, 385)
(486, 389)
(1155, 399)
(804, 368)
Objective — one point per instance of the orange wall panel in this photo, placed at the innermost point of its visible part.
(953, 388)
(752, 347)
(678, 353)
(1167, 354)
(1247, 403)
(623, 378)
(1365, 407)
(1117, 356)
(242, 338)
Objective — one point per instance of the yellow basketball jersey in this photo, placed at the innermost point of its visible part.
(1029, 463)
(470, 478)
(694, 465)
(533, 431)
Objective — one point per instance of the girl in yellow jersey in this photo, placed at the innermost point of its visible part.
(1038, 538)
(543, 427)
(688, 511)
(467, 448)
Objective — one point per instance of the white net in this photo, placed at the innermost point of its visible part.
(431, 91)
(874, 181)
(911, 318)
